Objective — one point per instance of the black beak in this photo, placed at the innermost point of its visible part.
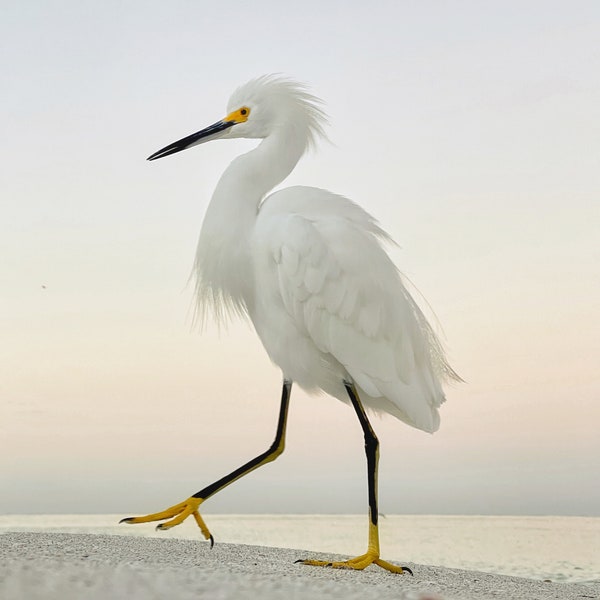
(199, 137)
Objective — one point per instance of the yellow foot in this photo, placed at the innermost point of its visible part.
(359, 563)
(177, 513)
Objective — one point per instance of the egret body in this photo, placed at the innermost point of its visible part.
(307, 267)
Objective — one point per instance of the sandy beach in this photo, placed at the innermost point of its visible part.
(64, 566)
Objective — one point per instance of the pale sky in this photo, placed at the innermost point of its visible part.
(471, 130)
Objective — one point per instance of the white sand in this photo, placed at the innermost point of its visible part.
(60, 566)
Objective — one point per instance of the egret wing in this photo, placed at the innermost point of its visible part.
(344, 293)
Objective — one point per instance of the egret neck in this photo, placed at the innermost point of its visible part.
(223, 260)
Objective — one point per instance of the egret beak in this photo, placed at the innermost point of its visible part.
(212, 132)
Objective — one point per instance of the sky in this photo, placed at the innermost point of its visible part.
(470, 130)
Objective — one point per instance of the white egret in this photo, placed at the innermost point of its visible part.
(308, 268)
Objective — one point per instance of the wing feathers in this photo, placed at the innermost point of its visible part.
(344, 293)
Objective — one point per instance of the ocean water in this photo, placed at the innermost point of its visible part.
(557, 548)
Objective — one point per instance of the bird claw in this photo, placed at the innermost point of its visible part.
(177, 514)
(359, 563)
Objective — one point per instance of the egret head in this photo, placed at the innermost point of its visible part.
(262, 107)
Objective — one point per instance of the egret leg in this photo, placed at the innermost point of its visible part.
(177, 513)
(371, 556)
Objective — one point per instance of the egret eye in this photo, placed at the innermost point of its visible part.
(238, 116)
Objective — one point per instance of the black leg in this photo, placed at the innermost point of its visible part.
(179, 512)
(271, 454)
(371, 450)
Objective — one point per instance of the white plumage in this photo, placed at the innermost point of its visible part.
(308, 267)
